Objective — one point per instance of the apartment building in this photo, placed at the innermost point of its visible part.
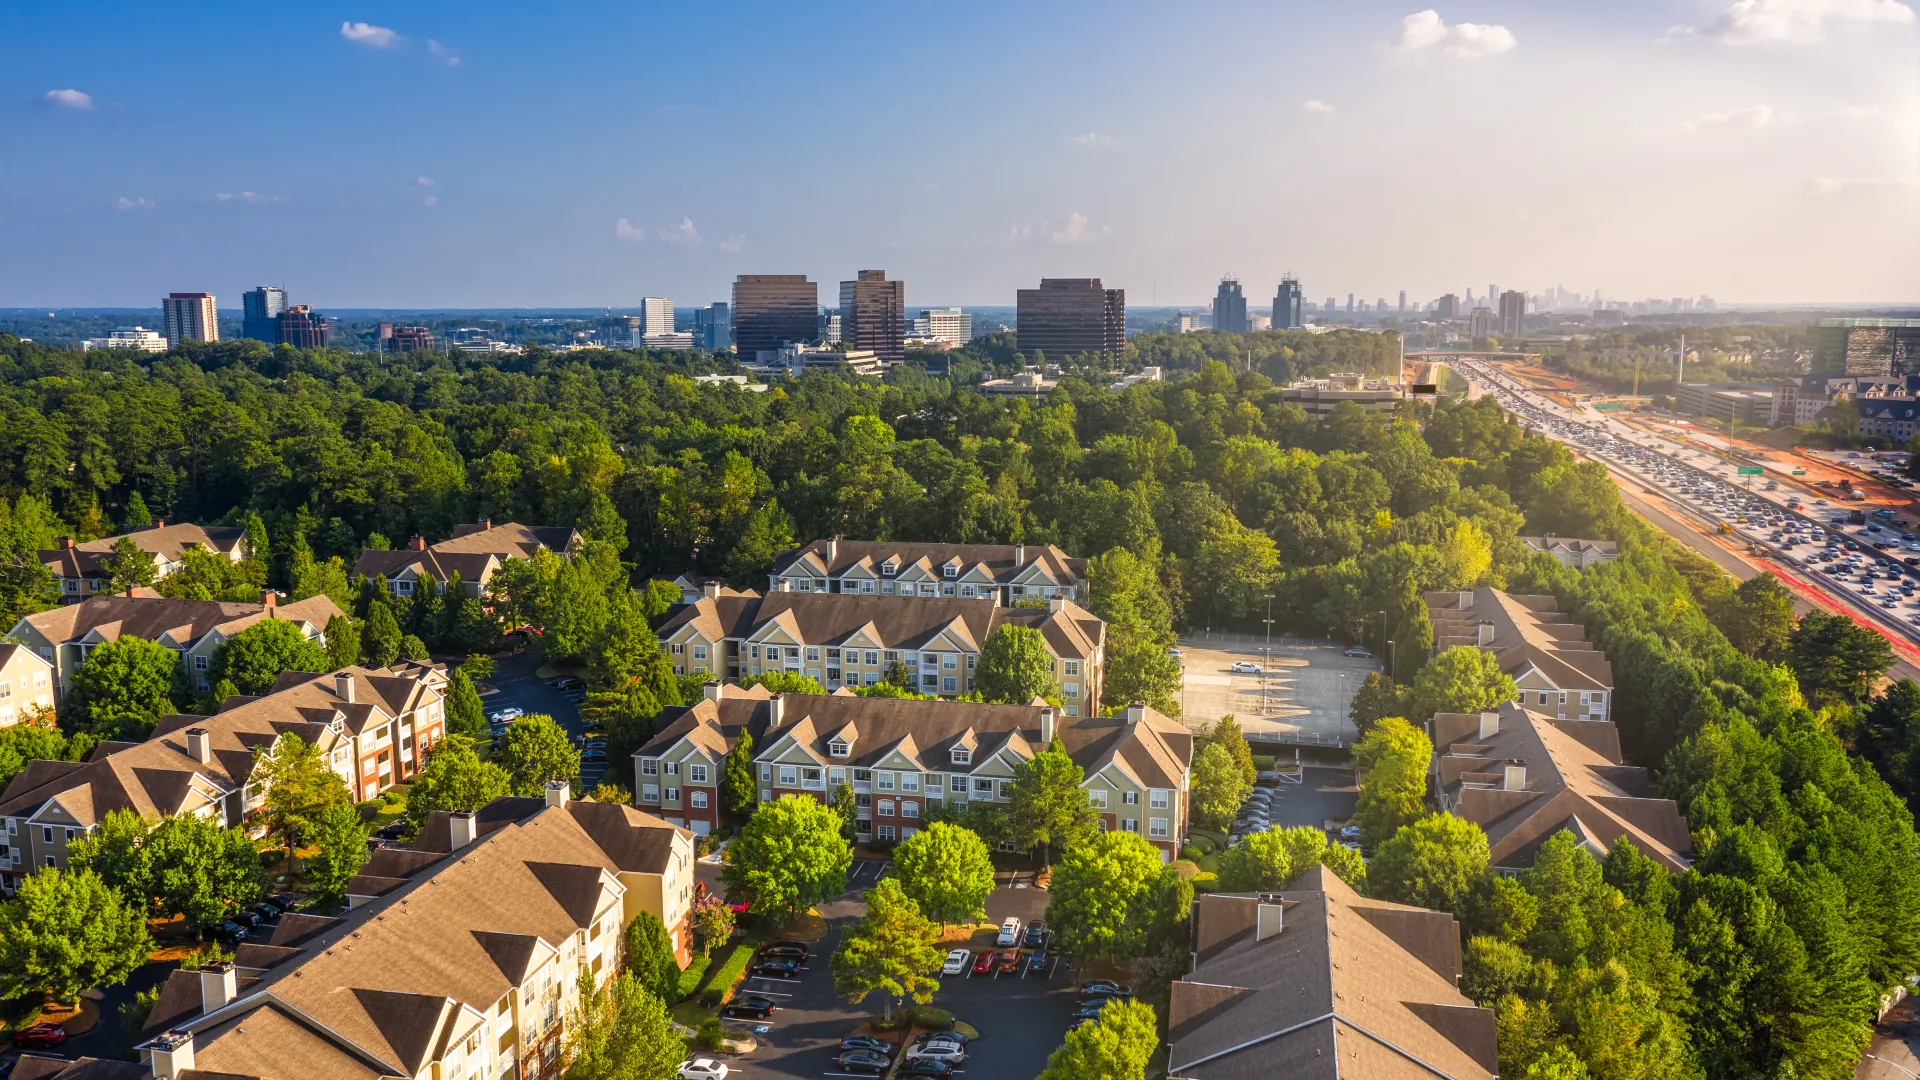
(1557, 670)
(1320, 396)
(81, 569)
(1523, 775)
(474, 552)
(195, 629)
(372, 726)
(1317, 981)
(462, 963)
(26, 683)
(849, 640)
(1578, 554)
(1006, 573)
(901, 756)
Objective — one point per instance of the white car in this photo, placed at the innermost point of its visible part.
(1009, 932)
(702, 1069)
(1246, 667)
(957, 962)
(938, 1050)
(507, 714)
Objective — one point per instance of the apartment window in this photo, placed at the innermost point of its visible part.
(1072, 667)
(949, 571)
(1130, 825)
(1130, 798)
(832, 654)
(889, 568)
(699, 652)
(811, 777)
(678, 648)
(948, 685)
(886, 588)
(1098, 797)
(754, 651)
(873, 658)
(883, 781)
(891, 656)
(909, 781)
(909, 808)
(1543, 698)
(949, 661)
(836, 776)
(971, 658)
(200, 663)
(839, 748)
(962, 756)
(696, 774)
(886, 833)
(863, 802)
(886, 808)
(672, 768)
(1157, 826)
(813, 653)
(866, 587)
(46, 834)
(983, 786)
(700, 800)
(1071, 689)
(789, 776)
(650, 792)
(673, 794)
(6, 690)
(649, 766)
(1157, 798)
(766, 771)
(957, 784)
(862, 776)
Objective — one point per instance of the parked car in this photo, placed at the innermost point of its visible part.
(1009, 932)
(1245, 667)
(750, 1008)
(794, 949)
(777, 969)
(1036, 934)
(703, 1069)
(227, 932)
(266, 911)
(795, 953)
(287, 901)
(957, 962)
(1010, 962)
(1350, 832)
(867, 1042)
(246, 918)
(1091, 1007)
(983, 961)
(40, 1035)
(1037, 963)
(938, 1050)
(1103, 988)
(863, 1061)
(568, 682)
(948, 1036)
(1359, 653)
(926, 1067)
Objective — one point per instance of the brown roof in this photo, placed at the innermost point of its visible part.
(471, 550)
(1570, 776)
(1003, 561)
(153, 617)
(1526, 631)
(1318, 981)
(167, 541)
(32, 1066)
(832, 618)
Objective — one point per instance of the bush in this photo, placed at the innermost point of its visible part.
(1263, 762)
(1193, 853)
(1186, 868)
(391, 798)
(704, 845)
(1205, 881)
(713, 997)
(711, 1034)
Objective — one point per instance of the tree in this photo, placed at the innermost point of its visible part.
(478, 666)
(1266, 861)
(1835, 658)
(412, 648)
(1048, 808)
(1095, 902)
(629, 676)
(342, 838)
(1377, 699)
(128, 567)
(768, 532)
(1233, 567)
(621, 1031)
(299, 786)
(1392, 761)
(1889, 736)
(789, 856)
(465, 715)
(537, 750)
(1758, 617)
(737, 791)
(1116, 1046)
(380, 643)
(137, 513)
(712, 921)
(1463, 679)
(1227, 735)
(1433, 863)
(128, 677)
(608, 791)
(785, 682)
(199, 870)
(1217, 788)
(892, 951)
(947, 871)
(650, 955)
(1125, 592)
(65, 931)
(117, 851)
(1015, 667)
(254, 658)
(453, 778)
(343, 642)
(847, 805)
(600, 521)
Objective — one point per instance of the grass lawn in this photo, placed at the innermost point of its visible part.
(378, 813)
(723, 970)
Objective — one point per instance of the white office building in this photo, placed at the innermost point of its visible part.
(948, 325)
(128, 337)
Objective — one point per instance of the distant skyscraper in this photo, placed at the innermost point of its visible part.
(713, 328)
(618, 331)
(1380, 305)
(189, 317)
(261, 305)
(771, 310)
(1289, 304)
(406, 339)
(950, 326)
(1513, 312)
(1403, 301)
(300, 327)
(1492, 291)
(1866, 347)
(1481, 323)
(656, 316)
(829, 324)
(1349, 301)
(1071, 316)
(1332, 306)
(873, 315)
(1230, 307)
(1447, 308)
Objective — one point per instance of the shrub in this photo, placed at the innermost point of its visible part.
(713, 997)
(1263, 762)
(711, 1034)
(1205, 881)
(391, 798)
(1186, 868)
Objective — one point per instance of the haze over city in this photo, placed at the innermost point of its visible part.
(470, 155)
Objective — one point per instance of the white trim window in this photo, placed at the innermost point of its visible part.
(1157, 827)
(1157, 798)
(696, 773)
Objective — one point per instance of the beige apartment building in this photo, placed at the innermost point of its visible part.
(847, 640)
(81, 568)
(462, 962)
(372, 726)
(904, 756)
(195, 629)
(1557, 670)
(1006, 573)
(26, 684)
(474, 552)
(1570, 552)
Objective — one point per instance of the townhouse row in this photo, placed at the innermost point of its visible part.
(1007, 574)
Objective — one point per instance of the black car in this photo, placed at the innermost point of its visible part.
(777, 969)
(226, 932)
(285, 901)
(1090, 1008)
(267, 912)
(926, 1067)
(1036, 934)
(926, 1037)
(865, 1061)
(1106, 989)
(749, 1008)
(247, 919)
(795, 953)
(867, 1042)
(393, 830)
(787, 945)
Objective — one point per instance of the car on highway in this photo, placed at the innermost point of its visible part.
(983, 961)
(957, 961)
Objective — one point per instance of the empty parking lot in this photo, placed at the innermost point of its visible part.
(1304, 689)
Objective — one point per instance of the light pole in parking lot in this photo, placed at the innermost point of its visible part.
(1267, 659)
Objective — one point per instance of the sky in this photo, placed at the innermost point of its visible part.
(485, 154)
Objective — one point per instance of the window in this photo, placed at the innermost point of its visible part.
(699, 652)
(650, 792)
(957, 784)
(6, 690)
(811, 777)
(1130, 798)
(832, 654)
(862, 776)
(672, 768)
(962, 756)
(1006, 789)
(46, 834)
(909, 808)
(883, 781)
(1157, 798)
(949, 685)
(1543, 698)
(889, 568)
(866, 587)
(982, 786)
(754, 651)
(813, 653)
(766, 771)
(949, 570)
(886, 833)
(891, 656)
(1071, 689)
(1130, 825)
(649, 766)
(673, 794)
(678, 648)
(873, 658)
(200, 663)
(909, 781)
(1073, 667)
(696, 773)
(886, 588)
(789, 776)
(1157, 826)
(1098, 797)
(886, 808)
(836, 776)
(839, 748)
(699, 799)
(949, 661)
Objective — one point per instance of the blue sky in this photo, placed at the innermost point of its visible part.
(483, 154)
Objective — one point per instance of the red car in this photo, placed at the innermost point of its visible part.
(41, 1035)
(983, 963)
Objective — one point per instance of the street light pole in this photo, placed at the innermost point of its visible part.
(1267, 661)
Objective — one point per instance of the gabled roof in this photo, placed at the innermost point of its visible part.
(1526, 630)
(147, 614)
(1000, 562)
(472, 552)
(833, 619)
(167, 541)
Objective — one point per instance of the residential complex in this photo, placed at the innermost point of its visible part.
(473, 553)
(1555, 667)
(461, 959)
(1071, 317)
(129, 337)
(80, 569)
(1230, 307)
(1578, 554)
(195, 629)
(903, 756)
(1523, 775)
(1320, 396)
(1317, 981)
(189, 316)
(260, 310)
(771, 310)
(371, 726)
(26, 683)
(873, 311)
(1007, 573)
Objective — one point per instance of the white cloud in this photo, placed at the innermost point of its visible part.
(624, 230)
(1841, 185)
(734, 244)
(1793, 22)
(424, 181)
(67, 99)
(1077, 230)
(444, 52)
(374, 37)
(1424, 30)
(683, 234)
(431, 200)
(140, 202)
(1852, 112)
(1091, 138)
(246, 197)
(1318, 107)
(1751, 117)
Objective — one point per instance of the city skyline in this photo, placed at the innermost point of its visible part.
(1679, 148)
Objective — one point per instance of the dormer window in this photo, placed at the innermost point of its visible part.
(962, 756)
(950, 570)
(889, 568)
(839, 748)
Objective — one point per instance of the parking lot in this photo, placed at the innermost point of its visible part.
(519, 688)
(1305, 687)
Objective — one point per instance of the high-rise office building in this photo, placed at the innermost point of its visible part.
(260, 306)
(1447, 308)
(1866, 347)
(1289, 304)
(873, 315)
(189, 317)
(1071, 316)
(949, 326)
(301, 327)
(1380, 305)
(656, 316)
(618, 331)
(405, 339)
(713, 328)
(1480, 323)
(1332, 306)
(1403, 302)
(1513, 312)
(771, 310)
(1349, 301)
(829, 328)
(1230, 307)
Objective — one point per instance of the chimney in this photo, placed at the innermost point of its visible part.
(418, 543)
(66, 541)
(485, 524)
(714, 691)
(1267, 921)
(710, 589)
(1019, 554)
(1056, 603)
(1136, 711)
(558, 792)
(199, 747)
(343, 686)
(1514, 776)
(775, 707)
(1489, 725)
(172, 1054)
(833, 548)
(1046, 725)
(160, 523)
(1466, 599)
(1483, 634)
(268, 598)
(462, 828)
(216, 985)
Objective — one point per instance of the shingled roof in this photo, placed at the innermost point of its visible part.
(471, 551)
(1003, 562)
(146, 614)
(167, 541)
(833, 618)
(1522, 632)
